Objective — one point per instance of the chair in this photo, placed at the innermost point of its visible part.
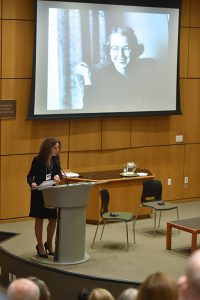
(152, 197)
(106, 216)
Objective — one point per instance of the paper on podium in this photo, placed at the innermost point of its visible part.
(82, 183)
(71, 174)
(46, 183)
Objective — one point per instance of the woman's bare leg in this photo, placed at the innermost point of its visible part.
(51, 227)
(38, 234)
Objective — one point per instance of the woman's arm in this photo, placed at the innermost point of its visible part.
(32, 173)
(57, 174)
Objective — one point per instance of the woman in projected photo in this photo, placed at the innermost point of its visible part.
(123, 78)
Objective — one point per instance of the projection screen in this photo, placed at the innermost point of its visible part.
(102, 59)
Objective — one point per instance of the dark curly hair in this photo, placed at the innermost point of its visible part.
(47, 144)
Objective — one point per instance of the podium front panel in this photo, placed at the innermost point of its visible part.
(71, 201)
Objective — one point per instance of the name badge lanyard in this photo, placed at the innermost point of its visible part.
(48, 172)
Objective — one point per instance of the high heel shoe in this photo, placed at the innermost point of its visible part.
(48, 250)
(40, 254)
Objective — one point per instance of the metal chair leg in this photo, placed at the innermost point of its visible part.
(95, 233)
(177, 218)
(159, 218)
(127, 235)
(104, 223)
(134, 221)
(177, 214)
(154, 222)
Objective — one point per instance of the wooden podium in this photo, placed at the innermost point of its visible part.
(71, 201)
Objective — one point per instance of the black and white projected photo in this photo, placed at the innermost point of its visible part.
(105, 59)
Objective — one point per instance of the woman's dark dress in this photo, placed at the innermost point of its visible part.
(37, 174)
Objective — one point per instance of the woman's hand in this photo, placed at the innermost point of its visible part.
(34, 185)
(56, 179)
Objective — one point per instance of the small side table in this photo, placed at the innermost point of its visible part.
(189, 225)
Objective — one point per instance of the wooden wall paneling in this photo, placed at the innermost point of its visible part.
(15, 195)
(98, 160)
(185, 13)
(20, 9)
(183, 52)
(165, 162)
(190, 95)
(84, 161)
(25, 136)
(194, 50)
(195, 13)
(191, 166)
(85, 134)
(0, 137)
(0, 47)
(115, 159)
(93, 205)
(17, 48)
(64, 160)
(155, 130)
(116, 132)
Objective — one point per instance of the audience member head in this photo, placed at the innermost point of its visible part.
(23, 289)
(128, 294)
(44, 291)
(158, 286)
(100, 294)
(189, 284)
(85, 293)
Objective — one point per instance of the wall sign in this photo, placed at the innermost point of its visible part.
(7, 109)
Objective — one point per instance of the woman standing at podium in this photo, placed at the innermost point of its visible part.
(45, 166)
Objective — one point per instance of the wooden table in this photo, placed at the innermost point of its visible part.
(125, 192)
(189, 225)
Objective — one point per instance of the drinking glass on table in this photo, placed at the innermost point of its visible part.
(131, 167)
(125, 168)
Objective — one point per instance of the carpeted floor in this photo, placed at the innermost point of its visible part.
(109, 258)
